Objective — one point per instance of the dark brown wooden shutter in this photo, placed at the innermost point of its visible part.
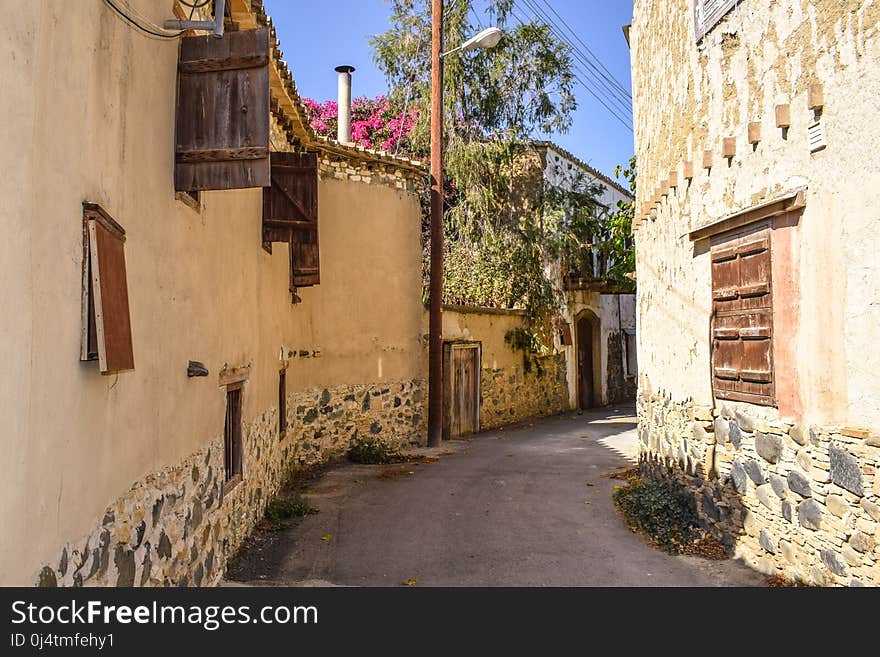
(742, 340)
(290, 213)
(107, 323)
(222, 139)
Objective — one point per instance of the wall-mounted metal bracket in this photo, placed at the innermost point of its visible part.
(215, 26)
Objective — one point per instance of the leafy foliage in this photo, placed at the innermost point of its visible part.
(523, 84)
(506, 228)
(282, 509)
(373, 451)
(524, 340)
(619, 244)
(662, 510)
(375, 123)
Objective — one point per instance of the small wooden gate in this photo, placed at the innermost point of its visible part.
(461, 367)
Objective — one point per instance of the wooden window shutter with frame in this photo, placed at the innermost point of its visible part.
(290, 214)
(106, 325)
(222, 131)
(742, 330)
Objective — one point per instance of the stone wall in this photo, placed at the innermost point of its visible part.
(511, 394)
(179, 526)
(796, 500)
(619, 389)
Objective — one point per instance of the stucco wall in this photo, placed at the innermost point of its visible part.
(90, 116)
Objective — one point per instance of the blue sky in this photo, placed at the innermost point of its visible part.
(318, 36)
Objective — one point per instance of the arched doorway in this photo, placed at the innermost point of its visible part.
(587, 333)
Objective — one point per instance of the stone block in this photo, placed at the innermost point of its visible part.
(739, 477)
(803, 459)
(810, 514)
(787, 510)
(768, 498)
(766, 542)
(779, 485)
(734, 434)
(833, 562)
(703, 413)
(850, 556)
(745, 420)
(862, 542)
(769, 446)
(788, 551)
(871, 509)
(820, 476)
(799, 435)
(845, 470)
(837, 505)
(755, 471)
(799, 484)
(722, 430)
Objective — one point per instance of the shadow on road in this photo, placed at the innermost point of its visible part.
(528, 505)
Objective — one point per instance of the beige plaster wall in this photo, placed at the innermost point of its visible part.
(88, 106)
(687, 98)
(488, 328)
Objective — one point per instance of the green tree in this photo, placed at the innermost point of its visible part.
(505, 226)
(522, 86)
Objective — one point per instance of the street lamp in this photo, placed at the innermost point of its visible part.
(487, 38)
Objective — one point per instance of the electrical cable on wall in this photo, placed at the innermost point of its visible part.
(133, 18)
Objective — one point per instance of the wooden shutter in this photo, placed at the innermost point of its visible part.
(742, 332)
(565, 334)
(708, 12)
(290, 213)
(106, 319)
(222, 137)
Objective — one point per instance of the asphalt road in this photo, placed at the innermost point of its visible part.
(525, 506)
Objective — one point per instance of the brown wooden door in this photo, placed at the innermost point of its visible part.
(462, 367)
(585, 362)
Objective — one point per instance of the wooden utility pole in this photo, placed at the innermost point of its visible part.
(435, 326)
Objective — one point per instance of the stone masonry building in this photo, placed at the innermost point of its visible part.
(758, 274)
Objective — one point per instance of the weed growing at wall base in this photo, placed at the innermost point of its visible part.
(662, 510)
(372, 451)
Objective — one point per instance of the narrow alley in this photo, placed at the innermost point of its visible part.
(524, 506)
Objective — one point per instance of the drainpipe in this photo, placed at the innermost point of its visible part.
(343, 133)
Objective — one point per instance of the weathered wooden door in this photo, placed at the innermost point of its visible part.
(585, 362)
(462, 390)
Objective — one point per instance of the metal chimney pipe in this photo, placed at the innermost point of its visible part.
(343, 134)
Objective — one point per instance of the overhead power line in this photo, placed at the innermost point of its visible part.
(594, 69)
(610, 75)
(602, 95)
(136, 20)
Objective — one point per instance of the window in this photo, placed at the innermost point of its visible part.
(631, 354)
(708, 12)
(232, 435)
(742, 316)
(106, 323)
(282, 403)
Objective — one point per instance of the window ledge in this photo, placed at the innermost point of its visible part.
(793, 201)
(232, 485)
